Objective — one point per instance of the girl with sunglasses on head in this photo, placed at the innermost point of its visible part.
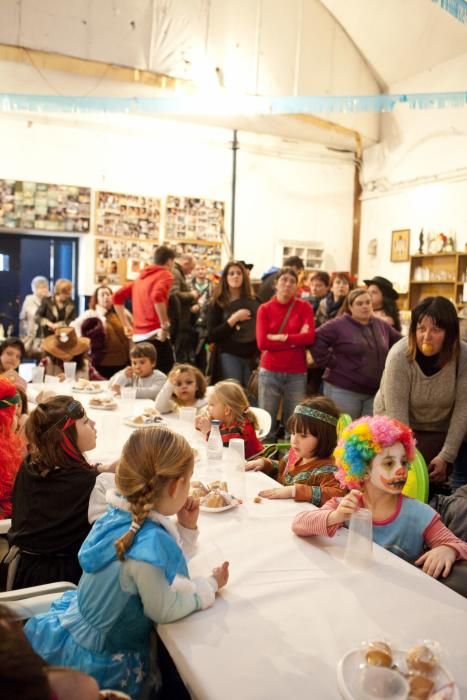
(51, 493)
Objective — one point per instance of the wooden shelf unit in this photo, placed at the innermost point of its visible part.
(437, 274)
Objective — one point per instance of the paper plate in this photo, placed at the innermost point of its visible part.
(104, 407)
(349, 667)
(91, 390)
(206, 509)
(129, 420)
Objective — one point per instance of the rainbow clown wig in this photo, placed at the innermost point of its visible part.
(362, 440)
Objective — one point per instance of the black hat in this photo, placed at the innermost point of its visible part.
(385, 286)
(249, 266)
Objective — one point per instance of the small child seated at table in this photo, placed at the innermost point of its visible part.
(11, 353)
(373, 457)
(307, 473)
(64, 346)
(135, 570)
(185, 386)
(228, 404)
(142, 373)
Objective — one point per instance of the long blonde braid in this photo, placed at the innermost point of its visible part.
(151, 458)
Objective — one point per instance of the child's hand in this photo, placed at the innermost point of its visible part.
(437, 561)
(128, 371)
(203, 423)
(255, 465)
(221, 574)
(348, 505)
(281, 492)
(188, 515)
(173, 375)
(116, 388)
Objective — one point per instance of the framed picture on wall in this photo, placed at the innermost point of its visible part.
(400, 244)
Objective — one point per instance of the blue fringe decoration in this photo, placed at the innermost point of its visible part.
(226, 105)
(456, 8)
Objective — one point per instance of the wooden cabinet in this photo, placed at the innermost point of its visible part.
(438, 274)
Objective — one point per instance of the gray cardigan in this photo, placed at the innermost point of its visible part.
(436, 403)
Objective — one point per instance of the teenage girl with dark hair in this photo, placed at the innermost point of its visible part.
(51, 493)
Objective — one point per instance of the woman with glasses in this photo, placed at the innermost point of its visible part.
(284, 328)
(51, 493)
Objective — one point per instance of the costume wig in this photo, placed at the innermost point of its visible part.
(11, 445)
(362, 440)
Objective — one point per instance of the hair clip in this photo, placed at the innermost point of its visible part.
(134, 527)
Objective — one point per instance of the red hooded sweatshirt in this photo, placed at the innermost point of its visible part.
(151, 287)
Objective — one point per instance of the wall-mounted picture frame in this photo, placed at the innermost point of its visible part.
(400, 244)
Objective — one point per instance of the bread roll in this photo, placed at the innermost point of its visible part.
(420, 687)
(378, 654)
(421, 659)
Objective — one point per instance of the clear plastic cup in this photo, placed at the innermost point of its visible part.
(70, 371)
(378, 683)
(128, 393)
(187, 414)
(359, 549)
(37, 375)
(237, 449)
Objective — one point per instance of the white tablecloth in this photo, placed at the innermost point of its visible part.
(292, 609)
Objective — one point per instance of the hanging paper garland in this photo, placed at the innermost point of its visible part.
(456, 8)
(227, 105)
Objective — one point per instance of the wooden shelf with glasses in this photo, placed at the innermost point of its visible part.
(437, 274)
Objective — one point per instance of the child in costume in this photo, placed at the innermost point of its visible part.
(11, 445)
(63, 345)
(185, 386)
(228, 404)
(135, 571)
(307, 473)
(373, 456)
(142, 373)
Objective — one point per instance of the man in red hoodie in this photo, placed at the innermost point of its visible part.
(149, 295)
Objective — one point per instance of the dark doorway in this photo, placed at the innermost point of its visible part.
(23, 257)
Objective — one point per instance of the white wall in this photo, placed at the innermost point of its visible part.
(417, 176)
(290, 191)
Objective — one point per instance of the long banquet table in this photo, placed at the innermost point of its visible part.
(291, 608)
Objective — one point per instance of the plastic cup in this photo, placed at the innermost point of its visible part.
(378, 683)
(359, 549)
(128, 393)
(237, 449)
(70, 371)
(37, 375)
(187, 414)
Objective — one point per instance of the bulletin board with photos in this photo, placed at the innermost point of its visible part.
(196, 225)
(44, 207)
(118, 260)
(127, 216)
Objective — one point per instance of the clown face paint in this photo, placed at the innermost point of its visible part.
(389, 469)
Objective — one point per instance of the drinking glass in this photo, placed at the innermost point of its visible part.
(237, 450)
(37, 375)
(128, 393)
(50, 379)
(359, 549)
(70, 371)
(187, 414)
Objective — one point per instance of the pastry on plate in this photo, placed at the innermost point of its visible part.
(378, 654)
(214, 500)
(421, 659)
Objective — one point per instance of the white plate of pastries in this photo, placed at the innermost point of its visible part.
(149, 417)
(213, 497)
(84, 386)
(379, 671)
(104, 403)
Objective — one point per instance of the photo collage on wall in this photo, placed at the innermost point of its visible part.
(131, 225)
(44, 207)
(196, 225)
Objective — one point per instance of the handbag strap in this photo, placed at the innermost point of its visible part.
(286, 317)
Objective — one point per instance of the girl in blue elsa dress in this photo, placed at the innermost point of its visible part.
(135, 572)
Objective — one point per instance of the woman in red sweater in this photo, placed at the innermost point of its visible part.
(284, 328)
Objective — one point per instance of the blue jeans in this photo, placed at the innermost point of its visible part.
(274, 386)
(234, 367)
(459, 468)
(350, 402)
